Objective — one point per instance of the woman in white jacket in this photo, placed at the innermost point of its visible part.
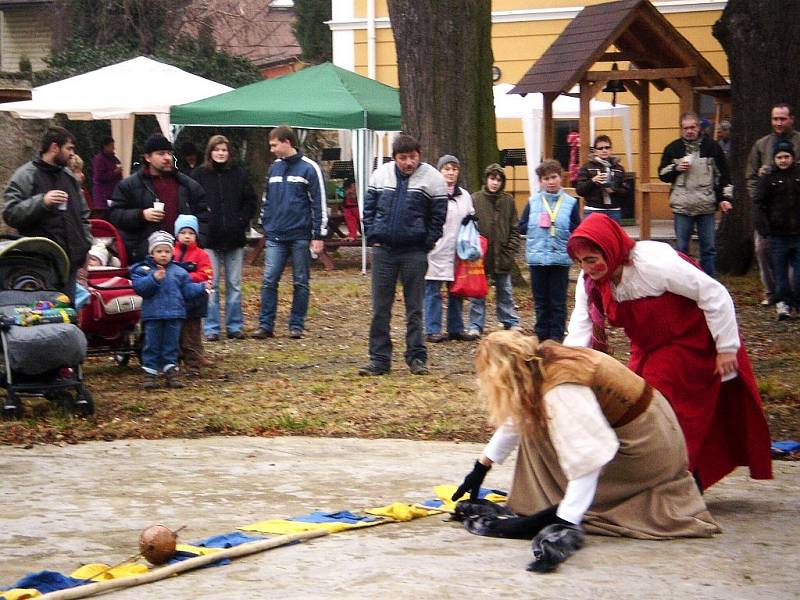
(441, 261)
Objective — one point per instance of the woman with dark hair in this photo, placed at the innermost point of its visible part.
(684, 342)
(599, 450)
(232, 202)
(601, 181)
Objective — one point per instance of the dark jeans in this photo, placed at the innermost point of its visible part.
(409, 266)
(549, 287)
(785, 254)
(161, 344)
(705, 224)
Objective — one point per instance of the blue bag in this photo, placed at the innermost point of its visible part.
(468, 243)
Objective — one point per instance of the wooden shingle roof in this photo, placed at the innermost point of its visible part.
(635, 28)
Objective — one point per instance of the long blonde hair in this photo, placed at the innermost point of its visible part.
(510, 380)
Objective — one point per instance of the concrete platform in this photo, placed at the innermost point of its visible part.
(87, 503)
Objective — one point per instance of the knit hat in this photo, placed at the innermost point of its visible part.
(783, 146)
(447, 159)
(100, 252)
(184, 221)
(159, 238)
(157, 142)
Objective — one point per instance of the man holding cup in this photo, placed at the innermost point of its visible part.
(44, 199)
(696, 168)
(151, 199)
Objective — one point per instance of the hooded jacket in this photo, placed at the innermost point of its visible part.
(165, 299)
(497, 222)
(25, 210)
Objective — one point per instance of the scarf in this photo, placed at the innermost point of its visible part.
(616, 246)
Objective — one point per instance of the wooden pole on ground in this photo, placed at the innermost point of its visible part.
(91, 589)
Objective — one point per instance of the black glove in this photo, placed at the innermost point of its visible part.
(511, 525)
(553, 545)
(472, 482)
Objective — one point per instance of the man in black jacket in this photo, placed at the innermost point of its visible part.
(151, 199)
(44, 199)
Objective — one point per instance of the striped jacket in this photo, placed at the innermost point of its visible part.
(294, 201)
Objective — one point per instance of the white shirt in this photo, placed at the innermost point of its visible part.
(656, 269)
(583, 440)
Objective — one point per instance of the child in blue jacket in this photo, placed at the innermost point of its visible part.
(164, 287)
(549, 218)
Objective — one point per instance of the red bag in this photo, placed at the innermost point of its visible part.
(470, 279)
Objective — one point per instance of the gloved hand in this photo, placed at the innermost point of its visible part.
(472, 482)
(553, 545)
(509, 525)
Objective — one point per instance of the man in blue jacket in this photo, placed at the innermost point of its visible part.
(294, 217)
(404, 212)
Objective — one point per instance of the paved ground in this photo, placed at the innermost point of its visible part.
(66, 505)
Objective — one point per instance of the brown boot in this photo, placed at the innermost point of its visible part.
(192, 352)
(172, 379)
(150, 382)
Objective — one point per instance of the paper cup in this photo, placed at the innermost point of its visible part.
(158, 206)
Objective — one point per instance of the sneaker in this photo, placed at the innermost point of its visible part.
(212, 337)
(462, 336)
(236, 335)
(473, 334)
(150, 382)
(435, 338)
(296, 334)
(262, 334)
(372, 368)
(783, 310)
(418, 367)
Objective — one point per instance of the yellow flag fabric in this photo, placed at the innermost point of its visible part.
(282, 526)
(445, 492)
(400, 511)
(101, 572)
(199, 550)
(20, 594)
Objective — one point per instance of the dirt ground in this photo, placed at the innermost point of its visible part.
(74, 504)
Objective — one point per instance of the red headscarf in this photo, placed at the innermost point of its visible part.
(606, 234)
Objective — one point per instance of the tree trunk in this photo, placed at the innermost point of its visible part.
(444, 57)
(762, 44)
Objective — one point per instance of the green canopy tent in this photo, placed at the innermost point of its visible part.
(320, 97)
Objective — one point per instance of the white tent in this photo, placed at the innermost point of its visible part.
(529, 109)
(140, 86)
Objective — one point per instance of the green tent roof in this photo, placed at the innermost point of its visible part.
(320, 97)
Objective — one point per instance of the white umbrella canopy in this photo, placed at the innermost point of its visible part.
(139, 86)
(529, 109)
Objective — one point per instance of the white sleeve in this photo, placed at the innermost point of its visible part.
(665, 270)
(503, 443)
(578, 497)
(580, 433)
(579, 330)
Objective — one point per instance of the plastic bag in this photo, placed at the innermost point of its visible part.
(468, 245)
(469, 277)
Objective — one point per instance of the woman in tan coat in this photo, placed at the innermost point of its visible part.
(599, 449)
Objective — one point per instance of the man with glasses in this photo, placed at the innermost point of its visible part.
(601, 182)
(695, 167)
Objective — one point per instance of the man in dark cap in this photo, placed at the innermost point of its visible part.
(152, 198)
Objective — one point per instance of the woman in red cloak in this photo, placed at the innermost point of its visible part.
(684, 342)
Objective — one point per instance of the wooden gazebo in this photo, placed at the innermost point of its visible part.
(648, 50)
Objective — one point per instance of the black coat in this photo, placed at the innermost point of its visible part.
(593, 192)
(778, 202)
(231, 201)
(135, 193)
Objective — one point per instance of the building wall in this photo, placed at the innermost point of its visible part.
(521, 32)
(24, 31)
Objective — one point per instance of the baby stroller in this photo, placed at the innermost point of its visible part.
(111, 316)
(42, 347)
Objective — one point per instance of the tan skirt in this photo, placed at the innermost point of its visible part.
(645, 492)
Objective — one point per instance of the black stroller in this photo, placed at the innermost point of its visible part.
(42, 346)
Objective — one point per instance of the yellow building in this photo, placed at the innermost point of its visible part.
(521, 32)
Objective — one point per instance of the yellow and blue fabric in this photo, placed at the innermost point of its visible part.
(228, 540)
(445, 492)
(102, 572)
(42, 582)
(399, 511)
(332, 522)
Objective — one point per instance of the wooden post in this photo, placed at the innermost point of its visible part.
(585, 125)
(642, 93)
(549, 126)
